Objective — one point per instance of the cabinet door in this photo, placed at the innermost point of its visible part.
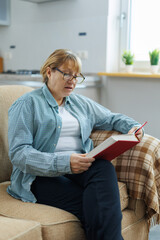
(4, 12)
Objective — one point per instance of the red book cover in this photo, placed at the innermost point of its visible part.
(114, 146)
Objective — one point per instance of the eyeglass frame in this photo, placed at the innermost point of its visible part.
(72, 76)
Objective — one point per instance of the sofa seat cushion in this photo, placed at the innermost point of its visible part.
(134, 227)
(124, 198)
(17, 229)
(56, 223)
(138, 206)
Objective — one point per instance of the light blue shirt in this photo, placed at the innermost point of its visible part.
(34, 129)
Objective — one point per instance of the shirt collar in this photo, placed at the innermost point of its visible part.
(68, 100)
(51, 100)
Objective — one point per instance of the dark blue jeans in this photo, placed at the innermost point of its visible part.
(93, 196)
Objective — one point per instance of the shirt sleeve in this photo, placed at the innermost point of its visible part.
(21, 151)
(104, 119)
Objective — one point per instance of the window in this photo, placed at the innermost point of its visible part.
(139, 24)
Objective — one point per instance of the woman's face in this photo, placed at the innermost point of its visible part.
(56, 83)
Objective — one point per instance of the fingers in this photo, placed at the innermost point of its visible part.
(139, 134)
(86, 165)
(132, 130)
(87, 160)
(79, 163)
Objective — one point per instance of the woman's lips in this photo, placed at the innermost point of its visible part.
(70, 88)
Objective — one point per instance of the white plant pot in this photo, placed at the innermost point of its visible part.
(129, 68)
(154, 69)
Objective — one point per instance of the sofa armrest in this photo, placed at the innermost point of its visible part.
(98, 136)
(139, 168)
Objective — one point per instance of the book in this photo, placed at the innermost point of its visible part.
(114, 146)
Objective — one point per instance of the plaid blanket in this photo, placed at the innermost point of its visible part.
(139, 168)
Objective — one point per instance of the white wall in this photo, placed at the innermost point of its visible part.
(138, 98)
(39, 29)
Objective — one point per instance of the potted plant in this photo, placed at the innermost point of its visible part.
(128, 59)
(154, 60)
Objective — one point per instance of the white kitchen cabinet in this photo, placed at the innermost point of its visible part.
(4, 12)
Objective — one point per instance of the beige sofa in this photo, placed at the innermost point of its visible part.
(19, 220)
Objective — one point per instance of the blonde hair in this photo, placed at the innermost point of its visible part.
(57, 58)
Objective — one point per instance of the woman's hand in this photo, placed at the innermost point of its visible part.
(139, 134)
(80, 163)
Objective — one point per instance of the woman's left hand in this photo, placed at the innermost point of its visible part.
(139, 134)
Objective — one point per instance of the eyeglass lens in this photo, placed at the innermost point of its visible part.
(78, 79)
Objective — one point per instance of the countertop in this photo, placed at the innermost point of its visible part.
(21, 77)
(130, 75)
(36, 80)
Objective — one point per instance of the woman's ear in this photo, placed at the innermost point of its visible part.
(48, 72)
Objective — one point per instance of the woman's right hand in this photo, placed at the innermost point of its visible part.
(80, 163)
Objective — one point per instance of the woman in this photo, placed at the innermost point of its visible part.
(48, 134)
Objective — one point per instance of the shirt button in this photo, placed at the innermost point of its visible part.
(59, 126)
(54, 145)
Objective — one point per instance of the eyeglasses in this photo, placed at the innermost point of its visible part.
(68, 77)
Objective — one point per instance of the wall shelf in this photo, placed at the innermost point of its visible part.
(130, 75)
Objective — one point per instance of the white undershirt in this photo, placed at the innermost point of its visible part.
(69, 140)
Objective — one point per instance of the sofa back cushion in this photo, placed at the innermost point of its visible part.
(8, 94)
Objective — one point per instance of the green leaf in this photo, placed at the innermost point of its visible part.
(128, 57)
(154, 57)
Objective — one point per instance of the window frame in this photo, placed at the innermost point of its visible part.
(125, 28)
